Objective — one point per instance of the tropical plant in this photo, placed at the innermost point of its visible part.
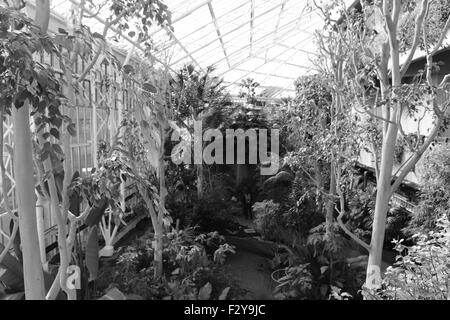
(421, 271)
(372, 40)
(295, 283)
(36, 86)
(265, 217)
(434, 198)
(196, 93)
(325, 138)
(27, 83)
(248, 90)
(188, 266)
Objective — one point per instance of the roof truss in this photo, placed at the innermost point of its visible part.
(269, 23)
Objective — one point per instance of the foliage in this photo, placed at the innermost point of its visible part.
(361, 205)
(23, 78)
(290, 221)
(438, 14)
(300, 225)
(212, 212)
(191, 263)
(434, 195)
(310, 117)
(326, 266)
(338, 294)
(196, 92)
(103, 184)
(325, 137)
(298, 212)
(296, 282)
(421, 271)
(266, 212)
(147, 12)
(12, 285)
(360, 211)
(248, 90)
(397, 218)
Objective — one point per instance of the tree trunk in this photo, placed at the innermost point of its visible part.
(157, 256)
(159, 225)
(24, 176)
(373, 277)
(200, 179)
(330, 204)
(318, 174)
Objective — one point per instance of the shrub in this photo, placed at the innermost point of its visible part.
(434, 199)
(212, 212)
(397, 219)
(191, 263)
(326, 264)
(422, 271)
(266, 218)
(361, 206)
(289, 223)
(295, 283)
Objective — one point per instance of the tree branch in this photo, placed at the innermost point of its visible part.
(416, 157)
(418, 22)
(100, 48)
(353, 236)
(10, 242)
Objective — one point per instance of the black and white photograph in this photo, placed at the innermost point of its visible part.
(224, 158)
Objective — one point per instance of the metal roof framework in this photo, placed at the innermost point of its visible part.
(270, 41)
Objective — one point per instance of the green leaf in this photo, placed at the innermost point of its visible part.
(57, 149)
(205, 292)
(96, 212)
(323, 269)
(113, 294)
(149, 87)
(92, 258)
(128, 69)
(56, 121)
(54, 132)
(98, 36)
(224, 294)
(71, 129)
(12, 296)
(12, 276)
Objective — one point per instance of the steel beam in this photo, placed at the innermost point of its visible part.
(213, 16)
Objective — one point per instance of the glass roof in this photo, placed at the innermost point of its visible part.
(270, 41)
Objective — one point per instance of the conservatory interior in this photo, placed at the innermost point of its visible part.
(135, 157)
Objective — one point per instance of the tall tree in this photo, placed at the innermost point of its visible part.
(377, 37)
(195, 93)
(24, 176)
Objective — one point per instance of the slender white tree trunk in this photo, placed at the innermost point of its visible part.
(159, 227)
(373, 277)
(26, 201)
(24, 176)
(330, 204)
(200, 179)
